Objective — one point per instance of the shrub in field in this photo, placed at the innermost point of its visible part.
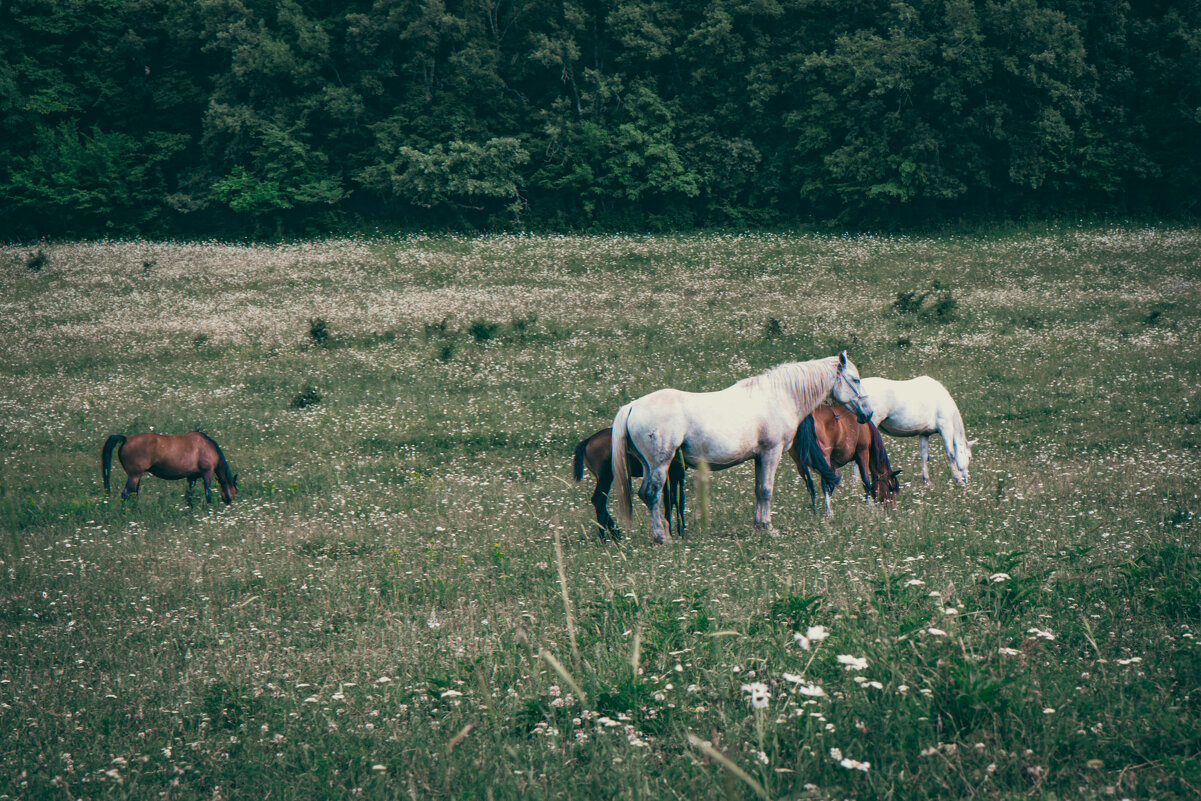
(309, 396)
(941, 308)
(319, 331)
(483, 330)
(36, 261)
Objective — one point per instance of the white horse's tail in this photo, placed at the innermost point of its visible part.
(621, 470)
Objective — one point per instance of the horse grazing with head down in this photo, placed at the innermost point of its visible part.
(921, 407)
(830, 438)
(756, 418)
(171, 456)
(596, 453)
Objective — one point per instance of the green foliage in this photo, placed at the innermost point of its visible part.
(462, 174)
(168, 116)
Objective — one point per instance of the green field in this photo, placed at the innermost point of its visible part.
(380, 614)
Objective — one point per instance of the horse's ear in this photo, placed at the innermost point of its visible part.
(971, 443)
(897, 472)
(235, 480)
(842, 358)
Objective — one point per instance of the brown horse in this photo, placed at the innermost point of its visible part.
(839, 439)
(171, 456)
(596, 453)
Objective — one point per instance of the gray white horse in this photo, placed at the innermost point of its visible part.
(756, 418)
(921, 407)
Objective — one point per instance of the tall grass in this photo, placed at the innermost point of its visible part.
(408, 599)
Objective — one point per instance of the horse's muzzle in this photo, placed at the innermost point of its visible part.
(862, 418)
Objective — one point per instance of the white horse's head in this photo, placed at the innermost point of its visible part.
(847, 390)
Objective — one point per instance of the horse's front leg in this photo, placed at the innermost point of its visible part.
(208, 486)
(861, 462)
(766, 464)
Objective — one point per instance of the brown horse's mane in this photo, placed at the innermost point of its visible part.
(877, 452)
(222, 464)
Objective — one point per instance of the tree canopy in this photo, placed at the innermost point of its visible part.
(163, 116)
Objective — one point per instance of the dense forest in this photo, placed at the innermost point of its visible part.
(163, 117)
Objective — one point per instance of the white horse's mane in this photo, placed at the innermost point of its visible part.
(807, 383)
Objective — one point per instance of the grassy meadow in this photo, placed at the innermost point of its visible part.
(383, 612)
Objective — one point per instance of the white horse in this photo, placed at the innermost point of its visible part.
(921, 407)
(757, 418)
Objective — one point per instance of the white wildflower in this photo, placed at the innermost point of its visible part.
(817, 633)
(852, 662)
(757, 694)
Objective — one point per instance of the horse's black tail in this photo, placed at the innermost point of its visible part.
(106, 458)
(578, 466)
(812, 455)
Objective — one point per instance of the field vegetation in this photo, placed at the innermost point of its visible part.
(409, 600)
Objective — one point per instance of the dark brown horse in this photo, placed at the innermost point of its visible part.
(835, 435)
(171, 456)
(596, 453)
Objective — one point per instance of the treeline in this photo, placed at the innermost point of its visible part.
(218, 116)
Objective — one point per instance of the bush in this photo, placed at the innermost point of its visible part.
(482, 330)
(319, 331)
(940, 309)
(309, 396)
(36, 261)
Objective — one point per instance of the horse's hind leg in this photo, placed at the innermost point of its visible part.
(924, 441)
(131, 485)
(651, 493)
(804, 471)
(600, 502)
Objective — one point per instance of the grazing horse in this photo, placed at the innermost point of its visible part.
(596, 453)
(828, 439)
(921, 407)
(170, 456)
(756, 418)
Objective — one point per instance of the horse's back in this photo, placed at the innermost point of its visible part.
(907, 408)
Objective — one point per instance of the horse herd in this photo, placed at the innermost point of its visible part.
(658, 435)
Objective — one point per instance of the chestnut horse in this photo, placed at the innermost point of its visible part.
(596, 453)
(839, 438)
(171, 456)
